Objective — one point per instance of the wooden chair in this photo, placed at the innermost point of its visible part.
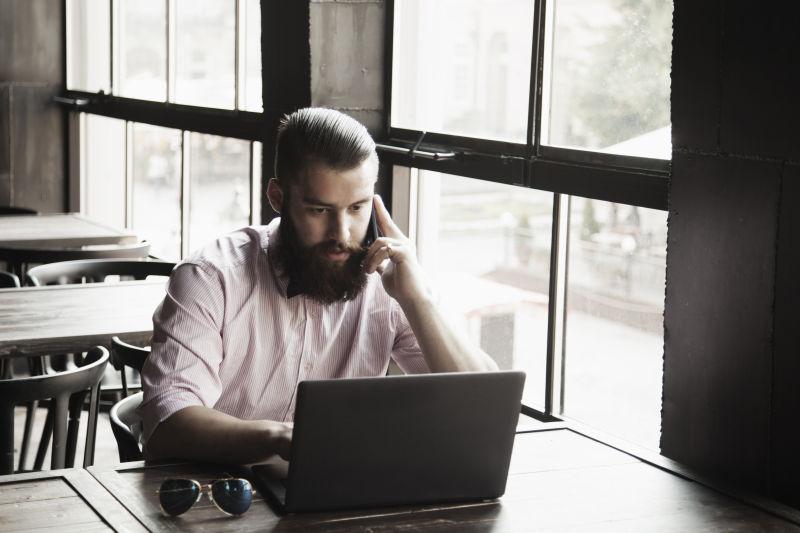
(19, 259)
(124, 355)
(127, 427)
(68, 391)
(95, 270)
(8, 210)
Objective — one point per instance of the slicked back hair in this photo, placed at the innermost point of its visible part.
(320, 135)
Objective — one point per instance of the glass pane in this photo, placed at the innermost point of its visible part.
(220, 187)
(250, 80)
(156, 172)
(205, 53)
(88, 46)
(494, 241)
(608, 86)
(141, 52)
(615, 329)
(104, 168)
(462, 67)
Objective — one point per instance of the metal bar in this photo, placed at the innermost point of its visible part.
(238, 124)
(412, 152)
(238, 56)
(186, 206)
(73, 102)
(537, 73)
(387, 69)
(551, 305)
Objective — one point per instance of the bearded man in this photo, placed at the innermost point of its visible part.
(248, 317)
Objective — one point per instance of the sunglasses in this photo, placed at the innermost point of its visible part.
(231, 496)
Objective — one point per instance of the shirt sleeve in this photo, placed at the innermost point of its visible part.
(406, 351)
(183, 367)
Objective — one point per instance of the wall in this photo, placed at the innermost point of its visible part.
(731, 340)
(32, 127)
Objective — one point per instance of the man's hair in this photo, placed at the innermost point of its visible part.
(316, 134)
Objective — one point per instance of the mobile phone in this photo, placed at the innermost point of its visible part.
(372, 230)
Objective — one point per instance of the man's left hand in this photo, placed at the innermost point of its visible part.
(394, 257)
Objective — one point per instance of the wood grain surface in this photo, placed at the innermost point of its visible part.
(73, 318)
(58, 230)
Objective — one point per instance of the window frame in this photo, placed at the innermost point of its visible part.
(639, 181)
(284, 26)
(566, 172)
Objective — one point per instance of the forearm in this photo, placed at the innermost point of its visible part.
(444, 348)
(203, 434)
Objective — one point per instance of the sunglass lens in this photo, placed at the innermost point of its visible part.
(177, 496)
(233, 496)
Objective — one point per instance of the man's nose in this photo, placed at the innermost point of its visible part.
(339, 229)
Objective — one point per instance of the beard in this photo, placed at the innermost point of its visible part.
(315, 275)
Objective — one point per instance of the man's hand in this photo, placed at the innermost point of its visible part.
(201, 433)
(394, 257)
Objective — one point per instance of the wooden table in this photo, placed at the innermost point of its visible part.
(60, 230)
(73, 318)
(559, 481)
(61, 500)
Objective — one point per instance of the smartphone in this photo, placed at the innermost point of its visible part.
(372, 230)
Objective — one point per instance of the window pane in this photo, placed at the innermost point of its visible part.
(88, 46)
(250, 82)
(220, 187)
(608, 88)
(615, 305)
(487, 246)
(205, 49)
(141, 52)
(104, 170)
(156, 172)
(462, 67)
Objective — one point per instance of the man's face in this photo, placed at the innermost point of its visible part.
(330, 208)
(324, 218)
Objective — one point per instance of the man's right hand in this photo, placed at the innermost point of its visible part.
(200, 433)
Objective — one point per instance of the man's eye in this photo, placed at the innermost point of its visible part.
(319, 210)
(356, 207)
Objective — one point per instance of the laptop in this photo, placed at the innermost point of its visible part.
(396, 440)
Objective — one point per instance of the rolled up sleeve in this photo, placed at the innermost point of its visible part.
(183, 367)
(405, 350)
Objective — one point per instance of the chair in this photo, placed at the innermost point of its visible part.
(68, 391)
(8, 280)
(126, 355)
(8, 210)
(18, 258)
(95, 270)
(127, 427)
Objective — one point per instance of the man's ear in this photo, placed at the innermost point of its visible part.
(275, 195)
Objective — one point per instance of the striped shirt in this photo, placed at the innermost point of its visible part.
(226, 336)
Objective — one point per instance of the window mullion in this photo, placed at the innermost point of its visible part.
(171, 51)
(185, 190)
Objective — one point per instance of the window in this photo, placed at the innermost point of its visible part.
(170, 116)
(536, 140)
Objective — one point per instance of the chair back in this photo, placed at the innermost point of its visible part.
(8, 280)
(127, 355)
(68, 391)
(96, 270)
(8, 210)
(127, 427)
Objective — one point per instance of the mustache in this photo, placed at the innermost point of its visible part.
(335, 247)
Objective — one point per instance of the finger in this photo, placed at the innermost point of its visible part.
(385, 223)
(377, 259)
(378, 245)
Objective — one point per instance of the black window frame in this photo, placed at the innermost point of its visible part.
(637, 181)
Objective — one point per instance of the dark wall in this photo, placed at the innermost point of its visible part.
(32, 127)
(731, 339)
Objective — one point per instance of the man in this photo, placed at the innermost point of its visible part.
(248, 317)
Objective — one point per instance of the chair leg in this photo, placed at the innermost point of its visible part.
(91, 426)
(45, 442)
(75, 408)
(6, 438)
(30, 414)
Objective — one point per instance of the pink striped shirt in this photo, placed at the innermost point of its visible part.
(227, 337)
